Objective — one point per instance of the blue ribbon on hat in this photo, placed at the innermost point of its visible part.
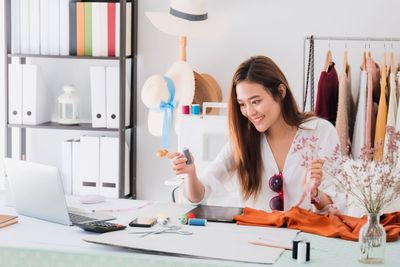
(168, 109)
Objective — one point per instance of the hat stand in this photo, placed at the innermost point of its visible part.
(182, 48)
(200, 83)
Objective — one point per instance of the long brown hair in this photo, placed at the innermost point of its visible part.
(245, 139)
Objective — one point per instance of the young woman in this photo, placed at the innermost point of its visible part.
(258, 168)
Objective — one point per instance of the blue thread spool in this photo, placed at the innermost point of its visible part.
(195, 109)
(197, 222)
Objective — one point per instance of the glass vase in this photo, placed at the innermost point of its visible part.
(372, 240)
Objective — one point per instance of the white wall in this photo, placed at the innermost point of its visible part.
(273, 28)
(2, 108)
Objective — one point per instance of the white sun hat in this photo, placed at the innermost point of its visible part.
(186, 18)
(156, 92)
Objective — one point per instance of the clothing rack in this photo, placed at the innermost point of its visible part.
(338, 38)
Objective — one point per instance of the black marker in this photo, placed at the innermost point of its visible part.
(186, 152)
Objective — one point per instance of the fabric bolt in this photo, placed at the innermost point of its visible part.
(222, 186)
(330, 225)
(381, 119)
(359, 126)
(345, 112)
(327, 96)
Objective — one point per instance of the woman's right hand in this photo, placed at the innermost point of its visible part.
(179, 166)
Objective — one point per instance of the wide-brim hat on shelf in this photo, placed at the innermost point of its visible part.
(155, 91)
(207, 90)
(186, 18)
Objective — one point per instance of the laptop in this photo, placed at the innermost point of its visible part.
(216, 213)
(38, 192)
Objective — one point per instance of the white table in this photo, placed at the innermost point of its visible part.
(33, 242)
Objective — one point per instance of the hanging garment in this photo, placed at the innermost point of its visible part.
(381, 119)
(331, 225)
(345, 112)
(327, 96)
(372, 69)
(398, 108)
(359, 126)
(392, 110)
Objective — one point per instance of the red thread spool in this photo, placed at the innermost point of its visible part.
(191, 215)
(185, 109)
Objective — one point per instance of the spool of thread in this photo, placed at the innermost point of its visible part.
(195, 109)
(294, 248)
(184, 219)
(191, 215)
(162, 219)
(301, 252)
(197, 222)
(308, 250)
(185, 109)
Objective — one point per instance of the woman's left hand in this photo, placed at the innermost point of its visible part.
(311, 180)
(316, 174)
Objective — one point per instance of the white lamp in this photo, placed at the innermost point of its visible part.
(68, 106)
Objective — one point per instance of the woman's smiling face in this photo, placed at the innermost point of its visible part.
(257, 105)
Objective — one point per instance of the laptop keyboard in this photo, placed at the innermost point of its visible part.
(76, 218)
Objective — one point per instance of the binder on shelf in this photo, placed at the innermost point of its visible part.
(111, 29)
(64, 27)
(112, 97)
(88, 28)
(15, 27)
(89, 153)
(99, 29)
(109, 158)
(128, 32)
(15, 93)
(80, 28)
(44, 27)
(34, 27)
(72, 28)
(54, 32)
(35, 107)
(98, 96)
(24, 24)
(66, 165)
(75, 167)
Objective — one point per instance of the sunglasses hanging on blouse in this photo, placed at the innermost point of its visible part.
(276, 185)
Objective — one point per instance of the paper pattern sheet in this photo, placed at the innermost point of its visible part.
(225, 243)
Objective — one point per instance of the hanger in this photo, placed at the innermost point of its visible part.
(364, 60)
(398, 67)
(345, 57)
(328, 60)
(369, 50)
(391, 62)
(384, 69)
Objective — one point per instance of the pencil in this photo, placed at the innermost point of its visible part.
(269, 245)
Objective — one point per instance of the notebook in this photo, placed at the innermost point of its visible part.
(38, 192)
(216, 213)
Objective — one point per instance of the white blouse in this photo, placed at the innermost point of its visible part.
(222, 187)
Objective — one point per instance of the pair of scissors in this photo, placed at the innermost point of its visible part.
(166, 230)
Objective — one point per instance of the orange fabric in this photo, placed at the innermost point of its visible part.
(332, 225)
